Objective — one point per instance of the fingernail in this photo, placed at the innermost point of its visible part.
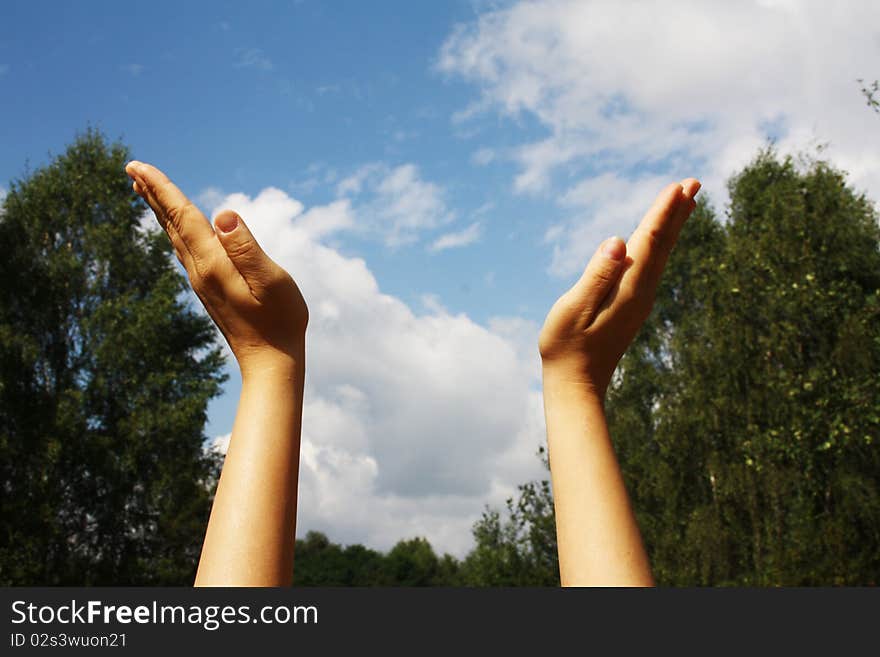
(614, 248)
(227, 222)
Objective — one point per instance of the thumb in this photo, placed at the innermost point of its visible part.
(599, 277)
(243, 250)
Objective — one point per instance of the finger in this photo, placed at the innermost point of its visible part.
(653, 232)
(255, 267)
(652, 242)
(598, 279)
(183, 255)
(690, 187)
(174, 208)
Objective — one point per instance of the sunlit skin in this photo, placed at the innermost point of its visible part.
(582, 340)
(262, 314)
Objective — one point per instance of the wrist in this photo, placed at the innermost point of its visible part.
(571, 379)
(272, 364)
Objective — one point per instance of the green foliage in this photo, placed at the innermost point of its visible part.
(871, 92)
(104, 380)
(409, 563)
(747, 413)
(518, 549)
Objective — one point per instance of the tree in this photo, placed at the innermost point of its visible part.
(105, 375)
(409, 563)
(871, 92)
(519, 547)
(414, 563)
(747, 413)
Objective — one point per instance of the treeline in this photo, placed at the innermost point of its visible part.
(409, 563)
(517, 548)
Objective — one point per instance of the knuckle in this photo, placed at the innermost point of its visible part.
(175, 214)
(603, 276)
(282, 277)
(240, 249)
(279, 279)
(656, 238)
(546, 344)
(206, 269)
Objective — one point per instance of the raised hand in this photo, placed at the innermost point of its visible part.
(590, 326)
(583, 338)
(258, 307)
(253, 301)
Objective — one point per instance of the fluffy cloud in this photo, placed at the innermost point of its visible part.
(412, 421)
(395, 203)
(457, 239)
(252, 58)
(631, 96)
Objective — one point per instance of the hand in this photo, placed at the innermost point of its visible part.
(590, 326)
(254, 302)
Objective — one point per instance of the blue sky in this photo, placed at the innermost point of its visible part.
(517, 134)
(244, 97)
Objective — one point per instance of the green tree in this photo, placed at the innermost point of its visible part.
(517, 548)
(409, 563)
(414, 563)
(322, 563)
(747, 414)
(105, 375)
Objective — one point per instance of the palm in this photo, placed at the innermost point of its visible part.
(591, 325)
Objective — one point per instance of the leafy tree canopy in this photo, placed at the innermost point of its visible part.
(105, 375)
(747, 414)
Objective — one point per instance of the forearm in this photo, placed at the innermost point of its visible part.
(251, 532)
(599, 540)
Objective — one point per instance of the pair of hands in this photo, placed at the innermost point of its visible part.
(262, 314)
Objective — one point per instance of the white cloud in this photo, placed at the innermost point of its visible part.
(395, 203)
(210, 197)
(326, 219)
(252, 58)
(147, 222)
(317, 175)
(457, 239)
(354, 183)
(412, 420)
(690, 88)
(483, 156)
(221, 443)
